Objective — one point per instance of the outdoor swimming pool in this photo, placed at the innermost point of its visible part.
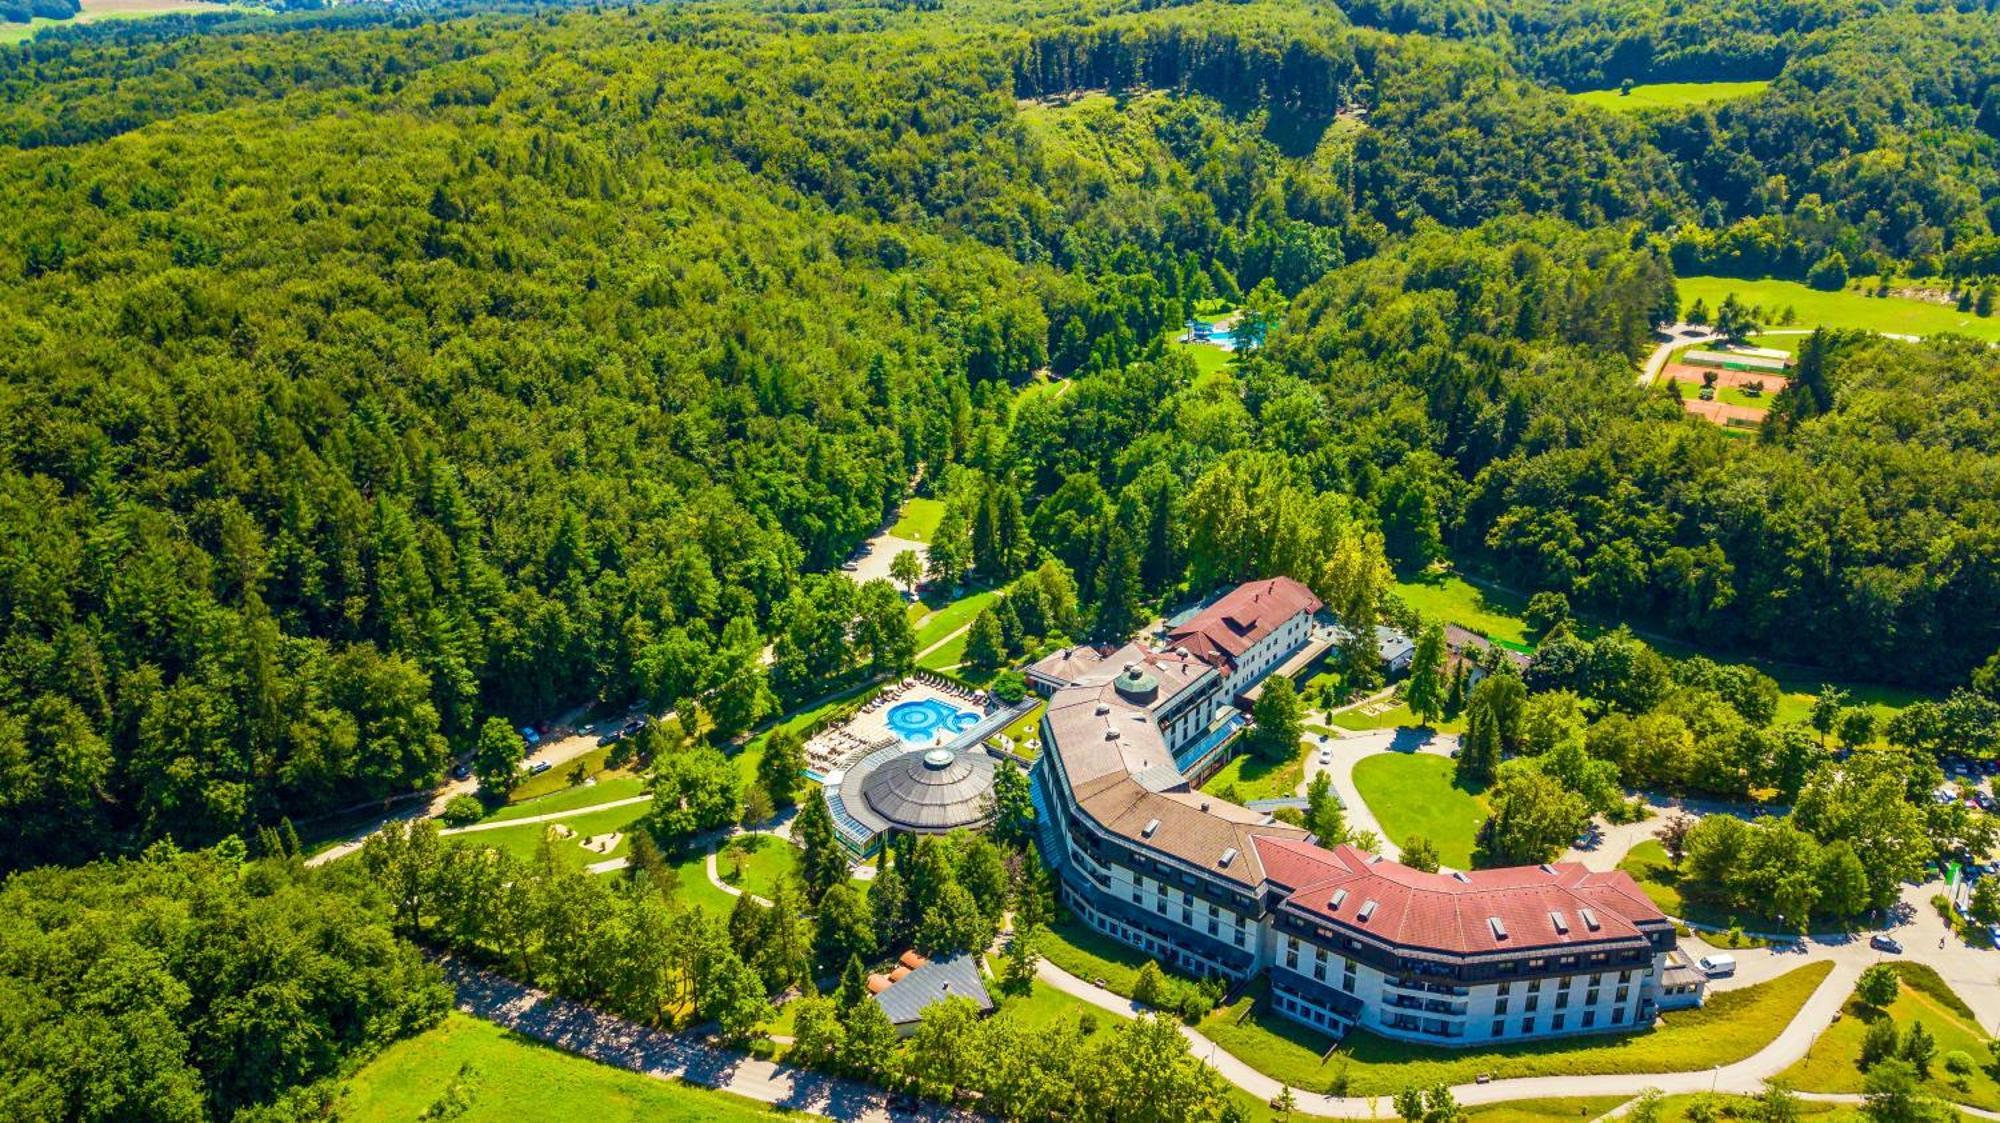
(920, 722)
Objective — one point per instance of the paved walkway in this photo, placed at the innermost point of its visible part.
(1680, 335)
(612, 1040)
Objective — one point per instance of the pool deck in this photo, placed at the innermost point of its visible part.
(869, 729)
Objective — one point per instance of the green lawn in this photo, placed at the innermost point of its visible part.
(763, 867)
(608, 788)
(502, 1077)
(11, 33)
(1208, 358)
(1492, 613)
(697, 891)
(1702, 1107)
(1846, 308)
(919, 519)
(1545, 1110)
(1669, 95)
(1043, 1006)
(557, 779)
(1795, 704)
(1397, 716)
(1416, 793)
(1733, 1025)
(950, 618)
(1028, 726)
(1079, 949)
(1735, 396)
(1648, 864)
(947, 655)
(523, 841)
(1833, 1062)
(1253, 777)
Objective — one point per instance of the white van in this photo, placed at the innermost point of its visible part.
(1718, 964)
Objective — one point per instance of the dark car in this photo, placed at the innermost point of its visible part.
(1885, 943)
(461, 770)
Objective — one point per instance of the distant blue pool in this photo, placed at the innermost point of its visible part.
(920, 722)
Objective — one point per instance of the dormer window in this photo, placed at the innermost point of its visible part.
(1499, 928)
(1561, 923)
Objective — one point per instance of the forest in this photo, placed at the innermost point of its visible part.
(368, 375)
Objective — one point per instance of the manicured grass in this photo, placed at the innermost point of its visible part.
(525, 840)
(1735, 396)
(504, 1077)
(696, 890)
(1253, 777)
(1545, 1110)
(1885, 702)
(558, 778)
(952, 617)
(947, 655)
(1397, 716)
(1079, 949)
(772, 860)
(1490, 612)
(609, 787)
(1417, 793)
(1208, 358)
(1669, 95)
(1028, 726)
(1709, 1106)
(1043, 1006)
(1733, 1025)
(1845, 308)
(1833, 1064)
(919, 520)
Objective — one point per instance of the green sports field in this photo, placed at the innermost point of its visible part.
(1669, 95)
(1845, 308)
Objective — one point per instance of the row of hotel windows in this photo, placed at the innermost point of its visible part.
(1143, 940)
(1556, 1024)
(1212, 914)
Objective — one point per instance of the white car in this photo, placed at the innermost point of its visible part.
(1326, 756)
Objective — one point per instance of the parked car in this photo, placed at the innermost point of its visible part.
(850, 566)
(1881, 942)
(1718, 964)
(461, 770)
(1326, 756)
(539, 767)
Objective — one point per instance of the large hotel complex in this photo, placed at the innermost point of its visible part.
(1349, 939)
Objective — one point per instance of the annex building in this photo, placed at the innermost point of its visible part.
(1348, 939)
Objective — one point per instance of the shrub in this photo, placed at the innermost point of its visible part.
(1879, 1043)
(462, 809)
(1958, 1062)
(1878, 986)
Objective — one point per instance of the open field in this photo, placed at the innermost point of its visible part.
(100, 11)
(1846, 308)
(1669, 95)
(947, 619)
(1416, 793)
(502, 1077)
(919, 521)
(1492, 613)
(1833, 1063)
(1733, 1025)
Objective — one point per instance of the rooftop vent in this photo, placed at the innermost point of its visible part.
(1103, 708)
(1461, 875)
(1147, 830)
(1339, 895)
(1367, 910)
(1561, 922)
(1589, 919)
(1228, 856)
(1548, 869)
(1204, 805)
(1499, 928)
(1111, 734)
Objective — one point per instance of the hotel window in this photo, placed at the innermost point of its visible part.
(1562, 1000)
(1211, 924)
(1347, 977)
(1624, 976)
(1527, 1025)
(1239, 937)
(1618, 1015)
(1589, 1018)
(1591, 998)
(1623, 993)
(1499, 1029)
(1506, 988)
(1534, 986)
(1500, 1006)
(1534, 1003)
(1557, 1023)
(1319, 970)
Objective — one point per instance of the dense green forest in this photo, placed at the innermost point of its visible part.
(374, 377)
(367, 376)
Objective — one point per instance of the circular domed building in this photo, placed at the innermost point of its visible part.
(924, 791)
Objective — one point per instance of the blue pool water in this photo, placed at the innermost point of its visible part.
(920, 722)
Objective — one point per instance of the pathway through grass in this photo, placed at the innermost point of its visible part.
(1418, 793)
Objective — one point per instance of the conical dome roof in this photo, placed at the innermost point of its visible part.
(932, 790)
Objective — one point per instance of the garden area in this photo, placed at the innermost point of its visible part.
(1733, 1025)
(570, 833)
(919, 519)
(1833, 1064)
(756, 863)
(1419, 793)
(1248, 776)
(474, 1071)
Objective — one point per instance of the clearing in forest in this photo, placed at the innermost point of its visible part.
(1669, 95)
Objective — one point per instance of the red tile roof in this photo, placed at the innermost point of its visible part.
(1454, 913)
(1249, 612)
